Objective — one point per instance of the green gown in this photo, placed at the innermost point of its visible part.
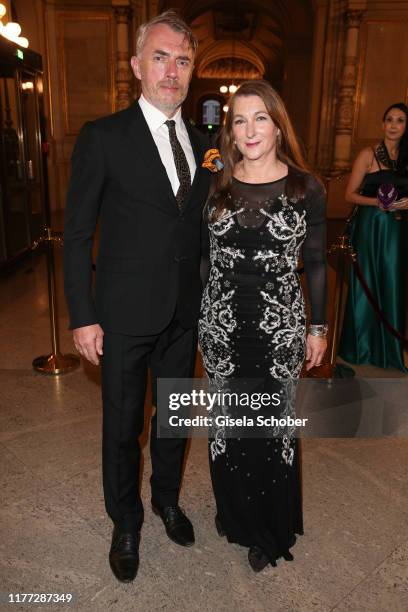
(381, 244)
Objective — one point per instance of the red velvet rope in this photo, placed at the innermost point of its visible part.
(375, 306)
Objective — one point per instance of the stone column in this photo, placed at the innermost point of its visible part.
(123, 76)
(320, 8)
(346, 93)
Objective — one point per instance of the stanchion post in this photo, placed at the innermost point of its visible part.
(344, 250)
(52, 292)
(55, 362)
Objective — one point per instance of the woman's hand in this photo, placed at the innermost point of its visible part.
(399, 204)
(382, 207)
(316, 347)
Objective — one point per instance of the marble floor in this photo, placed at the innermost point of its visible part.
(56, 536)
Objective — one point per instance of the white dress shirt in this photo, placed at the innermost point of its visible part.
(156, 121)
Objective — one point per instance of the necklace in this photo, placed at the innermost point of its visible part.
(384, 157)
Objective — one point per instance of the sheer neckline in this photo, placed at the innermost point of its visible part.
(381, 170)
(260, 184)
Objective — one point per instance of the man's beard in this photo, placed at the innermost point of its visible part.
(170, 105)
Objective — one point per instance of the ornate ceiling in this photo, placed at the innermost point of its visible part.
(241, 39)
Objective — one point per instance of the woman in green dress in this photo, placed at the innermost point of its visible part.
(380, 239)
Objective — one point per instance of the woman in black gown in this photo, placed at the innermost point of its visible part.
(265, 212)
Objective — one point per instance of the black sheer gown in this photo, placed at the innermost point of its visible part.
(252, 325)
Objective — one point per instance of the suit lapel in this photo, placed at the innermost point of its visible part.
(197, 150)
(142, 140)
(195, 143)
(148, 155)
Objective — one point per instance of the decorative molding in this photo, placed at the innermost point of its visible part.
(122, 14)
(220, 52)
(123, 76)
(230, 68)
(353, 18)
(346, 93)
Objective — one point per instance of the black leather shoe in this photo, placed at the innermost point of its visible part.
(178, 527)
(257, 559)
(124, 555)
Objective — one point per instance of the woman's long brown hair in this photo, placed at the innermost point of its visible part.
(288, 149)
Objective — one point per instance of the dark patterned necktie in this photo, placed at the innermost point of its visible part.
(180, 161)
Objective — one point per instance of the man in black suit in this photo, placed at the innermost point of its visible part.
(139, 173)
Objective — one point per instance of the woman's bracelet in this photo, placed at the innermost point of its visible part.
(318, 330)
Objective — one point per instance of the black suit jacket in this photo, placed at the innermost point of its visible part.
(149, 251)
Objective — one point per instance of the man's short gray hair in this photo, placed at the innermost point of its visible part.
(171, 19)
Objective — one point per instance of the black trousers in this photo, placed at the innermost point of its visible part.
(125, 362)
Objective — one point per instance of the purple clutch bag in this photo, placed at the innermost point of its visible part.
(387, 195)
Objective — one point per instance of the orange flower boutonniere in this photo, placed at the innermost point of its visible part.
(212, 160)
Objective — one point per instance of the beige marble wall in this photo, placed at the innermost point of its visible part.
(86, 49)
(296, 92)
(383, 75)
(363, 69)
(334, 115)
(85, 67)
(82, 78)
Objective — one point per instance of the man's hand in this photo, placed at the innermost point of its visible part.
(88, 342)
(315, 349)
